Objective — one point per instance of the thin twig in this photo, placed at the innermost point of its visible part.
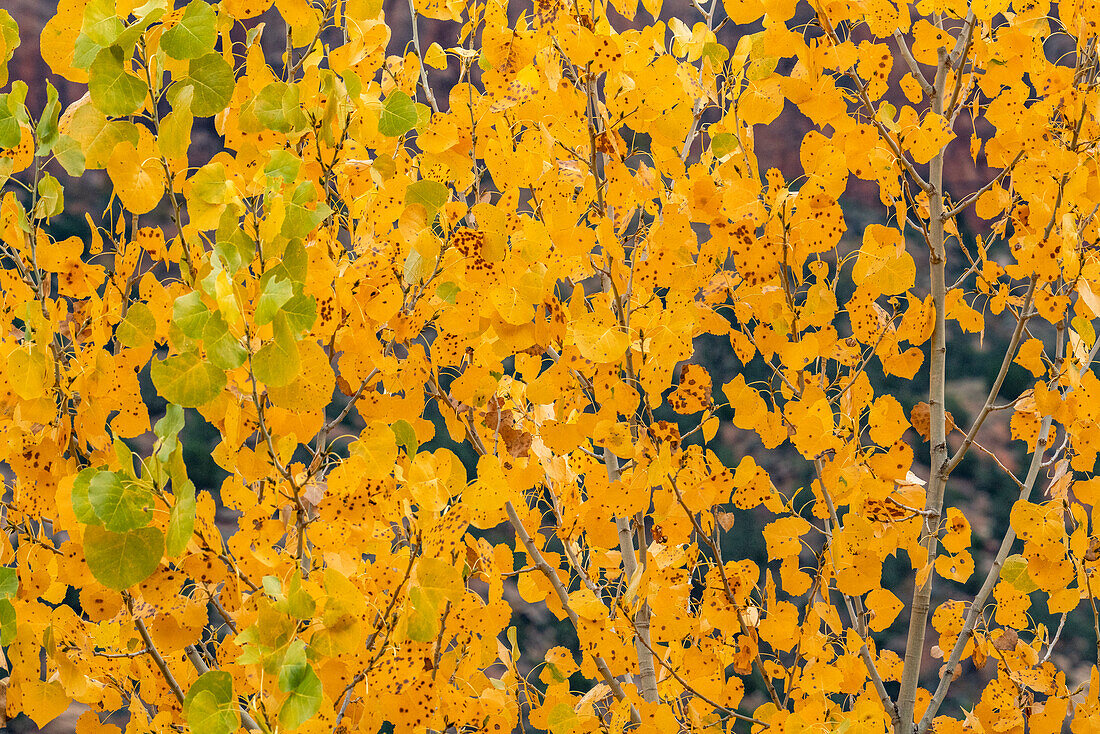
(687, 686)
(152, 649)
(563, 597)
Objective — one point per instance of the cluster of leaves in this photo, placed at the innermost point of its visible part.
(532, 257)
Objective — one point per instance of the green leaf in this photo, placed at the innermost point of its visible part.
(398, 115)
(406, 436)
(194, 34)
(299, 220)
(187, 381)
(217, 683)
(222, 347)
(439, 580)
(292, 669)
(209, 705)
(9, 582)
(716, 52)
(129, 37)
(181, 520)
(189, 313)
(84, 51)
(301, 312)
(206, 716)
(277, 363)
(167, 430)
(430, 194)
(103, 135)
(562, 719)
(1014, 571)
(70, 155)
(120, 560)
(121, 503)
(125, 458)
(235, 249)
(177, 468)
(101, 23)
(212, 79)
(82, 507)
(7, 622)
(10, 132)
(296, 262)
(47, 124)
(275, 293)
(447, 292)
(269, 107)
(722, 144)
(51, 198)
(9, 35)
(413, 273)
(114, 91)
(423, 621)
(175, 128)
(283, 165)
(273, 587)
(297, 678)
(296, 601)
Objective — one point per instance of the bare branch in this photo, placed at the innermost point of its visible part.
(563, 597)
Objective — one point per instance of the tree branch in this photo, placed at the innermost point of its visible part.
(563, 596)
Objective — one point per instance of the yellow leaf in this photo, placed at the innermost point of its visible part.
(28, 372)
(884, 607)
(42, 702)
(23, 153)
(137, 177)
(435, 57)
(884, 265)
(934, 133)
(599, 338)
(887, 420)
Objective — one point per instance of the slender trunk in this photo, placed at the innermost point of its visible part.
(937, 380)
(647, 670)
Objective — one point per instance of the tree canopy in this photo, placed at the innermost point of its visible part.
(442, 300)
